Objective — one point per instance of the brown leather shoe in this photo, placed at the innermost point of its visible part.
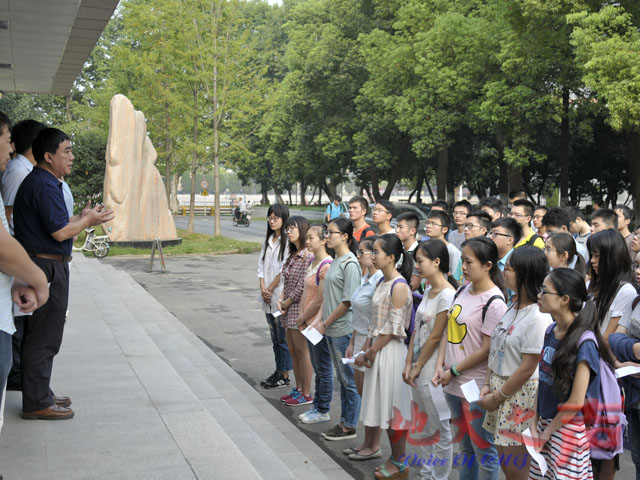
(61, 401)
(54, 412)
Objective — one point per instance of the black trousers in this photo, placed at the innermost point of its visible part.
(43, 337)
(14, 381)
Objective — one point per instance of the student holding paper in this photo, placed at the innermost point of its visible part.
(386, 403)
(311, 309)
(477, 308)
(432, 259)
(293, 274)
(342, 279)
(569, 371)
(512, 381)
(361, 306)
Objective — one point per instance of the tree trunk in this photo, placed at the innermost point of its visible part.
(564, 150)
(515, 178)
(278, 193)
(67, 103)
(264, 190)
(167, 162)
(375, 185)
(303, 193)
(503, 178)
(290, 200)
(443, 170)
(175, 204)
(194, 163)
(433, 199)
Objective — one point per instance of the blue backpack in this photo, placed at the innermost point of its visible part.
(604, 416)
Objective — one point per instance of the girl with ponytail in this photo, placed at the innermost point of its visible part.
(341, 281)
(386, 398)
(432, 259)
(569, 371)
(476, 310)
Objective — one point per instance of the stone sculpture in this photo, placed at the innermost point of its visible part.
(133, 187)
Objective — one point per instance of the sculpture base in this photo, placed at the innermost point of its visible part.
(145, 244)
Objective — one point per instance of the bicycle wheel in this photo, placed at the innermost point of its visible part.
(102, 250)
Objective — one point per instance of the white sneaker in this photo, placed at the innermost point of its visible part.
(304, 414)
(316, 417)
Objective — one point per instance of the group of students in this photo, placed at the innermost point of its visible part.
(536, 322)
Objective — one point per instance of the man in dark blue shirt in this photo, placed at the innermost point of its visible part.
(43, 227)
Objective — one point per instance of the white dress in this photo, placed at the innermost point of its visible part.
(386, 399)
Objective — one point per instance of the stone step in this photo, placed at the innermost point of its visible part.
(272, 444)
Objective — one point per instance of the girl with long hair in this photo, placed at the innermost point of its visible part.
(293, 273)
(361, 302)
(476, 310)
(271, 260)
(516, 343)
(342, 279)
(385, 394)
(561, 252)
(311, 310)
(432, 260)
(568, 373)
(612, 284)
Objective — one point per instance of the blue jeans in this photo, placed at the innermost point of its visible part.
(349, 397)
(633, 417)
(321, 361)
(474, 461)
(279, 341)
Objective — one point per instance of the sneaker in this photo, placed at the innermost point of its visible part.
(278, 381)
(316, 417)
(308, 412)
(292, 393)
(269, 379)
(335, 430)
(299, 400)
(340, 435)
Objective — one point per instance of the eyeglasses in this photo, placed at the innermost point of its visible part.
(543, 292)
(290, 229)
(432, 224)
(519, 215)
(273, 219)
(471, 225)
(495, 234)
(460, 212)
(328, 233)
(364, 252)
(381, 210)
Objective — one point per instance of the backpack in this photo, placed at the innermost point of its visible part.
(486, 305)
(417, 299)
(604, 419)
(365, 231)
(324, 262)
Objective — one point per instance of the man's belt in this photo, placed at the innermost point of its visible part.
(51, 256)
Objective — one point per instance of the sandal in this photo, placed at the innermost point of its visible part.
(401, 474)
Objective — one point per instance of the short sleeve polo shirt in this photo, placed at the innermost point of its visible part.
(40, 210)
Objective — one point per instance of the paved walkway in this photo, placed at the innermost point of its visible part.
(152, 401)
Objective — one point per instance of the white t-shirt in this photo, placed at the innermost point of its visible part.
(454, 257)
(631, 320)
(426, 314)
(519, 332)
(624, 298)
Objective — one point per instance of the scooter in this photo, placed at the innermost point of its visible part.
(241, 218)
(98, 244)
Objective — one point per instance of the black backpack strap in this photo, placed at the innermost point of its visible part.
(458, 292)
(486, 305)
(365, 231)
(635, 302)
(531, 242)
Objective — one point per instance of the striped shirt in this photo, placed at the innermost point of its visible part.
(6, 281)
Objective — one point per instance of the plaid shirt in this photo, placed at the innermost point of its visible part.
(293, 273)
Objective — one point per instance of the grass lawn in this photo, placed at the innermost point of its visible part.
(192, 243)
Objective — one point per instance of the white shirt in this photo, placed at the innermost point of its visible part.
(269, 269)
(17, 169)
(519, 332)
(624, 298)
(6, 305)
(454, 257)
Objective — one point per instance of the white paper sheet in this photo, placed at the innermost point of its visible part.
(277, 314)
(624, 371)
(542, 463)
(470, 391)
(437, 395)
(352, 359)
(313, 335)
